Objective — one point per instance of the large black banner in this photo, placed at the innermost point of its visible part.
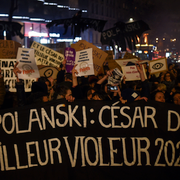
(92, 140)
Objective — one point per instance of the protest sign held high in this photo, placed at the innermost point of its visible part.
(84, 62)
(99, 56)
(87, 140)
(47, 56)
(7, 66)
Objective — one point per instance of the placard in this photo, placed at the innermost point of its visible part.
(99, 56)
(157, 66)
(116, 77)
(46, 56)
(131, 73)
(110, 55)
(48, 71)
(84, 62)
(8, 49)
(124, 62)
(27, 64)
(69, 54)
(7, 66)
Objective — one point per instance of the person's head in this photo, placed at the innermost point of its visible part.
(90, 93)
(92, 81)
(167, 76)
(68, 77)
(63, 92)
(176, 98)
(161, 87)
(159, 96)
(170, 66)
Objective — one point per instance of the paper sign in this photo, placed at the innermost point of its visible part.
(69, 55)
(48, 71)
(124, 62)
(99, 56)
(116, 77)
(131, 73)
(27, 64)
(8, 49)
(85, 63)
(46, 56)
(157, 66)
(7, 66)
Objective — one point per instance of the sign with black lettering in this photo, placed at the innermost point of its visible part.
(158, 65)
(90, 140)
(27, 64)
(84, 62)
(99, 56)
(7, 66)
(46, 56)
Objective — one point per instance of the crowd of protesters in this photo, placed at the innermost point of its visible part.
(163, 88)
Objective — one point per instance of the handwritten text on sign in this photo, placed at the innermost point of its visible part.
(131, 73)
(7, 66)
(47, 56)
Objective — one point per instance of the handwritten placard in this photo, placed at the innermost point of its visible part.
(157, 66)
(8, 49)
(69, 55)
(84, 62)
(99, 56)
(27, 64)
(47, 56)
(131, 73)
(7, 66)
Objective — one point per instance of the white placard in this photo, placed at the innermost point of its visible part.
(7, 66)
(27, 64)
(157, 66)
(124, 62)
(131, 73)
(84, 62)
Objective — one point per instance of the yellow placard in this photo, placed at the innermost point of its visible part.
(46, 56)
(99, 56)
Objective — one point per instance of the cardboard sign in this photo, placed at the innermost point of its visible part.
(131, 73)
(8, 49)
(99, 56)
(110, 55)
(48, 71)
(112, 64)
(27, 64)
(157, 66)
(116, 77)
(124, 62)
(46, 56)
(69, 55)
(85, 62)
(7, 66)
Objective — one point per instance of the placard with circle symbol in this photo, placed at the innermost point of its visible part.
(84, 62)
(157, 66)
(27, 64)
